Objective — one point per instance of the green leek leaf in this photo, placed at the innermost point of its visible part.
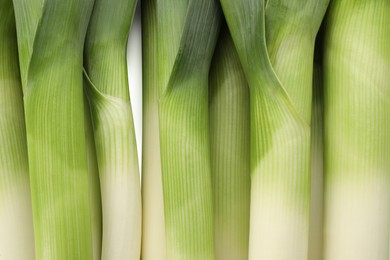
(51, 38)
(107, 89)
(275, 43)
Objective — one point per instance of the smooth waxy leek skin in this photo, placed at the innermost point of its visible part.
(187, 32)
(153, 224)
(108, 94)
(317, 161)
(357, 130)
(95, 195)
(16, 222)
(230, 159)
(275, 43)
(51, 38)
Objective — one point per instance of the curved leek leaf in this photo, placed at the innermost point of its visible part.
(357, 130)
(108, 94)
(16, 222)
(51, 69)
(275, 43)
(187, 32)
(230, 149)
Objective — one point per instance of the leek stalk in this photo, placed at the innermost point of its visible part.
(230, 159)
(95, 194)
(187, 32)
(357, 130)
(317, 153)
(16, 222)
(275, 43)
(107, 89)
(51, 37)
(153, 222)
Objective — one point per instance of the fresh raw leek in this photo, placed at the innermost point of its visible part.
(107, 89)
(357, 130)
(94, 187)
(51, 37)
(230, 159)
(317, 147)
(275, 43)
(187, 32)
(153, 225)
(16, 222)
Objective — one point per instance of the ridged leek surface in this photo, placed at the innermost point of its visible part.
(187, 32)
(107, 89)
(357, 130)
(275, 43)
(16, 222)
(51, 37)
(153, 225)
(317, 160)
(230, 149)
(94, 187)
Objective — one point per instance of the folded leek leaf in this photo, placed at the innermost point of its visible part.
(51, 37)
(275, 42)
(187, 32)
(107, 89)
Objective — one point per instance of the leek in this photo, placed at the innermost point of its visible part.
(107, 89)
(230, 159)
(317, 183)
(95, 195)
(50, 38)
(186, 36)
(275, 42)
(357, 124)
(153, 225)
(16, 224)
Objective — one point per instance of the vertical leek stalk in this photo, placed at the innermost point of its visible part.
(229, 142)
(51, 38)
(16, 225)
(153, 229)
(108, 94)
(317, 169)
(94, 187)
(187, 32)
(275, 43)
(357, 130)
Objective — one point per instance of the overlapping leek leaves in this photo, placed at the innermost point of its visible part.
(357, 130)
(229, 142)
(108, 94)
(51, 38)
(16, 225)
(275, 42)
(186, 36)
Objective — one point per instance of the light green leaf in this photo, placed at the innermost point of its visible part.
(275, 43)
(356, 133)
(230, 151)
(50, 38)
(107, 89)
